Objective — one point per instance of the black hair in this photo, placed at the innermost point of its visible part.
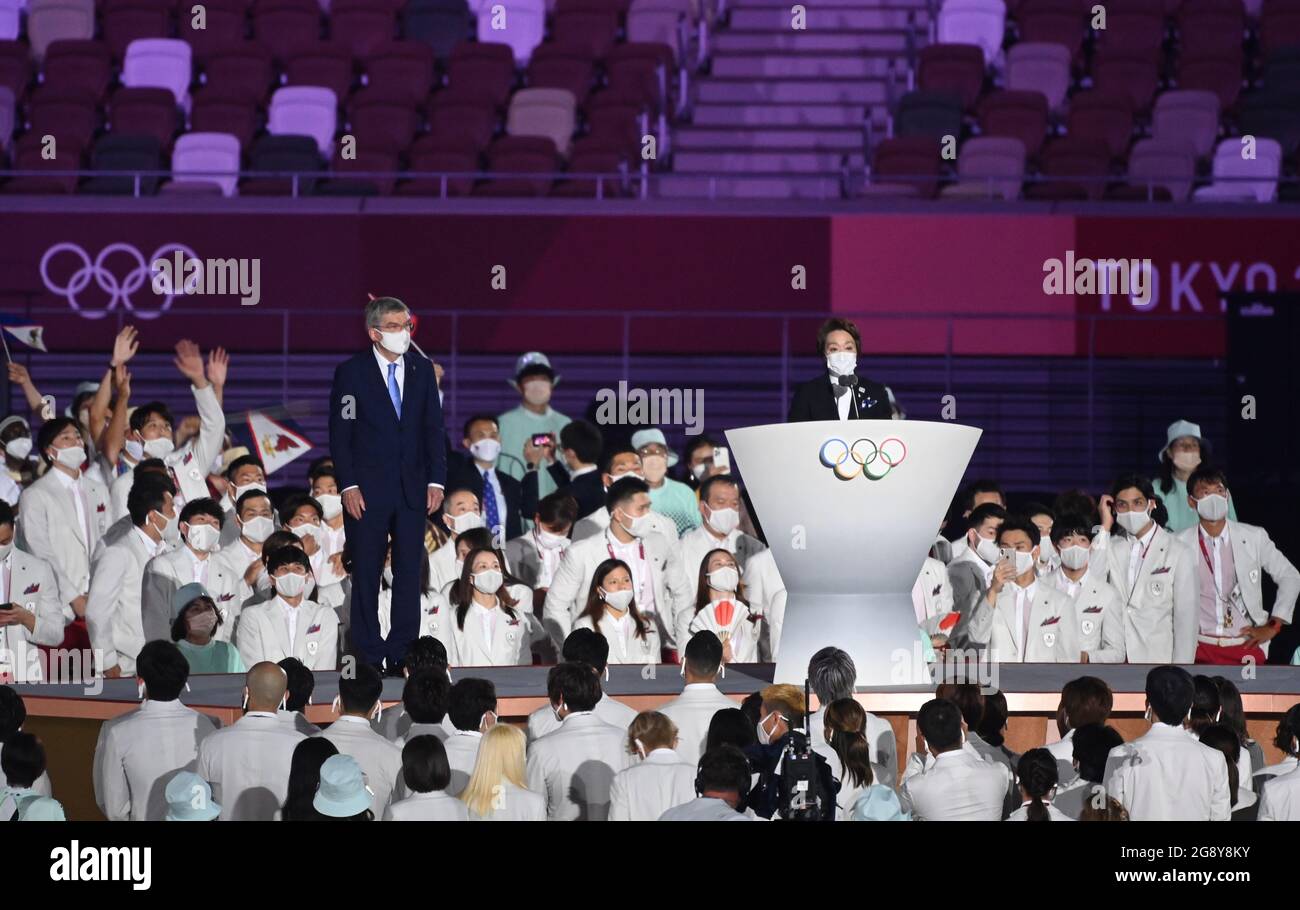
(179, 628)
(360, 689)
(1233, 712)
(994, 719)
(304, 778)
(1069, 524)
(143, 499)
(471, 698)
(1288, 730)
(140, 416)
(574, 684)
(707, 485)
(752, 707)
(1205, 473)
(280, 540)
(425, 652)
(476, 539)
(49, 430)
(164, 670)
(723, 769)
(23, 760)
(587, 646)
(6, 513)
(837, 324)
(1124, 481)
(623, 489)
(983, 513)
(288, 555)
(1031, 509)
(426, 694)
(323, 471)
(1022, 524)
(557, 508)
(475, 418)
(1170, 691)
(1037, 775)
(940, 723)
(607, 457)
(248, 496)
(1223, 738)
(584, 439)
(242, 461)
(1205, 703)
(982, 485)
(295, 501)
(969, 699)
(1076, 502)
(319, 466)
(204, 505)
(302, 682)
(1092, 745)
(425, 768)
(730, 727)
(703, 654)
(13, 713)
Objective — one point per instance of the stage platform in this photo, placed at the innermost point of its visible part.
(68, 716)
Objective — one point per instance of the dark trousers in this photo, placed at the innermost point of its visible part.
(387, 513)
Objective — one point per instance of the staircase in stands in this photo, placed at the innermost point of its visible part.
(782, 111)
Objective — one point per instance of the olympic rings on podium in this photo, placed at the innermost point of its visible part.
(863, 457)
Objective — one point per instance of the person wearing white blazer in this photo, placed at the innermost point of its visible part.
(932, 600)
(138, 753)
(1280, 801)
(241, 558)
(591, 648)
(486, 625)
(658, 779)
(114, 616)
(1081, 576)
(957, 784)
(1021, 618)
(613, 612)
(433, 604)
(64, 514)
(30, 612)
(472, 711)
(13, 714)
(659, 582)
(194, 561)
(619, 463)
(460, 513)
(833, 676)
(720, 510)
(496, 790)
(693, 710)
(426, 774)
(721, 607)
(1232, 558)
(767, 596)
(1156, 577)
(574, 766)
(381, 761)
(289, 625)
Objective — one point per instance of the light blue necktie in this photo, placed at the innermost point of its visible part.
(393, 392)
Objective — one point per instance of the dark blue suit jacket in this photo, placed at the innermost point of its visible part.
(372, 449)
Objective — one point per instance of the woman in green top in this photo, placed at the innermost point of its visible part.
(194, 627)
(1183, 453)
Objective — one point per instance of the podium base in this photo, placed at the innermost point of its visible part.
(878, 630)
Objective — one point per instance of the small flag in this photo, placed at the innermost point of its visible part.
(24, 330)
(276, 442)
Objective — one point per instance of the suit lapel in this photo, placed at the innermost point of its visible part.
(1006, 613)
(379, 380)
(282, 628)
(408, 390)
(1154, 559)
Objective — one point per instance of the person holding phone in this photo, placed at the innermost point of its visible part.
(30, 611)
(523, 426)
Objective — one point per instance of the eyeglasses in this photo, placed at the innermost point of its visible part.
(397, 327)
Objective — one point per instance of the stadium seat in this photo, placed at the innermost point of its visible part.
(305, 110)
(594, 157)
(125, 152)
(550, 113)
(79, 64)
(8, 116)
(57, 20)
(215, 111)
(524, 25)
(244, 71)
(401, 69)
(438, 24)
(594, 32)
(15, 67)
(127, 22)
(1282, 71)
(989, 167)
(955, 68)
(205, 159)
(431, 154)
(70, 115)
(1218, 74)
(368, 161)
(381, 123)
(556, 67)
(224, 23)
(295, 154)
(643, 72)
(928, 114)
(519, 155)
(1273, 115)
(978, 22)
(1191, 117)
(1137, 26)
(362, 25)
(904, 166)
(145, 112)
(487, 70)
(656, 25)
(57, 173)
(1170, 166)
(1211, 28)
(159, 63)
(1279, 26)
(1041, 68)
(326, 64)
(10, 18)
(1016, 115)
(614, 121)
(1073, 169)
(1132, 74)
(462, 119)
(1053, 22)
(1239, 178)
(286, 27)
(1104, 117)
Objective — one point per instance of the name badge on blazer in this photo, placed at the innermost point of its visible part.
(1254, 576)
(313, 647)
(1087, 626)
(1156, 588)
(1049, 639)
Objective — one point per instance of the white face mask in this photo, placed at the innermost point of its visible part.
(158, 448)
(290, 584)
(987, 550)
(551, 541)
(841, 363)
(615, 478)
(258, 528)
(171, 529)
(1024, 562)
(537, 392)
(486, 582)
(698, 471)
(637, 527)
(395, 342)
(1133, 521)
(486, 449)
(237, 492)
(388, 576)
(331, 504)
(764, 736)
(725, 578)
(464, 522)
(1074, 557)
(134, 448)
(724, 521)
(619, 600)
(203, 537)
(19, 447)
(1187, 461)
(71, 457)
(1212, 507)
(655, 467)
(309, 530)
(1045, 549)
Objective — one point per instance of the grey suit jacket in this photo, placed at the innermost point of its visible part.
(968, 587)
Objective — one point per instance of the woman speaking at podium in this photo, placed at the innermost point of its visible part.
(839, 393)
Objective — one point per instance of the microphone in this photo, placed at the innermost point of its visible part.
(848, 384)
(850, 381)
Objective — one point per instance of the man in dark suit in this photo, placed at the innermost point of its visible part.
(478, 469)
(839, 393)
(387, 439)
(581, 445)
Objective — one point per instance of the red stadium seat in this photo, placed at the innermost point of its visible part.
(463, 118)
(70, 115)
(432, 154)
(1103, 117)
(1067, 158)
(368, 159)
(593, 157)
(401, 69)
(1221, 75)
(1053, 22)
(614, 121)
(380, 122)
(1137, 27)
(242, 71)
(485, 69)
(362, 25)
(132, 20)
(214, 111)
(145, 112)
(58, 176)
(79, 65)
(898, 162)
(326, 64)
(954, 68)
(1018, 115)
(286, 27)
(1128, 73)
(594, 32)
(520, 155)
(225, 23)
(15, 68)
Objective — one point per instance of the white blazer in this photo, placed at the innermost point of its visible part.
(1280, 801)
(625, 646)
(744, 630)
(114, 617)
(646, 790)
(264, 635)
(882, 745)
(1053, 635)
(427, 807)
(1100, 612)
(699, 542)
(567, 596)
(247, 765)
(595, 524)
(934, 589)
(610, 710)
(515, 805)
(166, 573)
(692, 712)
(1168, 775)
(139, 753)
(442, 566)
(189, 464)
(574, 767)
(1161, 612)
(1253, 554)
(767, 596)
(462, 755)
(235, 559)
(956, 786)
(32, 586)
(380, 760)
(467, 647)
(49, 528)
(433, 614)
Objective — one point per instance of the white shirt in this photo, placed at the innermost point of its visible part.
(692, 712)
(400, 372)
(486, 616)
(199, 565)
(151, 546)
(73, 486)
(138, 753)
(1136, 554)
(648, 789)
(1280, 801)
(290, 617)
(1168, 775)
(436, 806)
(642, 584)
(1022, 814)
(1024, 604)
(844, 401)
(492, 483)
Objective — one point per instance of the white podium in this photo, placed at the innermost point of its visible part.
(850, 509)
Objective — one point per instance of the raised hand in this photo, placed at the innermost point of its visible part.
(218, 365)
(189, 361)
(125, 345)
(18, 374)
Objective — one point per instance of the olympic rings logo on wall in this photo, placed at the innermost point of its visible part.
(119, 291)
(862, 457)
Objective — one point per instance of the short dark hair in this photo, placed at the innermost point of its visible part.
(164, 670)
(584, 439)
(13, 713)
(1022, 524)
(426, 694)
(6, 513)
(321, 465)
(984, 512)
(1224, 739)
(837, 324)
(1169, 691)
(475, 418)
(983, 485)
(968, 697)
(1205, 703)
(730, 726)
(151, 466)
(241, 462)
(248, 496)
(1037, 508)
(615, 450)
(623, 489)
(1124, 481)
(1205, 473)
(587, 646)
(574, 684)
(145, 498)
(288, 555)
(359, 690)
(703, 654)
(424, 653)
(707, 485)
(1288, 731)
(204, 505)
(23, 759)
(940, 723)
(425, 768)
(140, 416)
(723, 769)
(295, 501)
(49, 430)
(302, 682)
(1086, 700)
(469, 699)
(1069, 524)
(1092, 744)
(557, 508)
(180, 628)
